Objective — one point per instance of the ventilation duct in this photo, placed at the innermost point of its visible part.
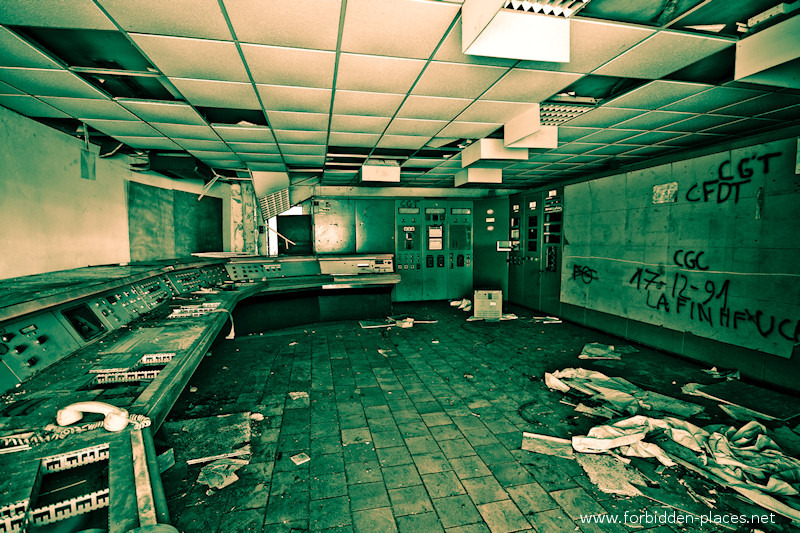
(380, 170)
(771, 56)
(533, 31)
(488, 153)
(526, 131)
(272, 191)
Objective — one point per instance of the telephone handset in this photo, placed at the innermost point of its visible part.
(116, 418)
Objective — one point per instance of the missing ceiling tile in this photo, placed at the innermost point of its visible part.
(220, 115)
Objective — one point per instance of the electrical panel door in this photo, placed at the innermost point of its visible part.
(459, 249)
(408, 250)
(434, 268)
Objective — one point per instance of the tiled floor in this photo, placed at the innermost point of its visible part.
(408, 429)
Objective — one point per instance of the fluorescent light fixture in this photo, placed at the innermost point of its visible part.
(490, 30)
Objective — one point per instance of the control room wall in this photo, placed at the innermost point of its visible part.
(53, 219)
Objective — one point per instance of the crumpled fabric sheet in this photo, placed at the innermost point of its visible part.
(622, 395)
(745, 459)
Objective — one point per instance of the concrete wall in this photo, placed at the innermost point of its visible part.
(51, 218)
(709, 269)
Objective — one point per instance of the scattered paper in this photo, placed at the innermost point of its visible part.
(297, 395)
(595, 350)
(545, 444)
(220, 474)
(300, 458)
(610, 474)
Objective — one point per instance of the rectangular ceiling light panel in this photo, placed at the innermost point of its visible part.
(489, 30)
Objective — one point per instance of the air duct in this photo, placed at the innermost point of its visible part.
(771, 56)
(380, 170)
(272, 191)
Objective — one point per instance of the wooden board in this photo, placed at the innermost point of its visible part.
(759, 399)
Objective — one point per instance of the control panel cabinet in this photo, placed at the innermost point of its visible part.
(434, 268)
(408, 250)
(459, 249)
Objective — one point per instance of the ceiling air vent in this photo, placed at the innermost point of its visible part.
(558, 8)
(274, 204)
(272, 191)
(555, 114)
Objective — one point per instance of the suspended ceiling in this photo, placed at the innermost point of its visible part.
(313, 87)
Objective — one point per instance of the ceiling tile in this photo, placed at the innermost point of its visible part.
(308, 160)
(208, 154)
(8, 89)
(651, 150)
(224, 163)
(261, 158)
(356, 124)
(285, 120)
(17, 52)
(300, 137)
(353, 139)
(76, 14)
(277, 23)
(193, 58)
(185, 131)
(569, 134)
(592, 43)
(304, 99)
(377, 74)
(575, 148)
(181, 18)
(407, 142)
(30, 106)
(211, 93)
(48, 82)
(267, 167)
(415, 127)
(714, 98)
(153, 143)
(419, 162)
(200, 144)
(400, 28)
(533, 86)
(468, 130)
(747, 125)
(788, 113)
(157, 111)
(760, 105)
(366, 104)
(653, 137)
(654, 120)
(254, 147)
(701, 122)
(303, 149)
(608, 136)
(603, 117)
(457, 80)
(657, 94)
(432, 107)
(275, 65)
(244, 133)
(494, 112)
(128, 128)
(663, 53)
(614, 149)
(450, 51)
(86, 108)
(695, 139)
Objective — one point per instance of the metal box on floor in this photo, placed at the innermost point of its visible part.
(488, 304)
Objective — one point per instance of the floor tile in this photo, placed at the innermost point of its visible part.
(456, 511)
(419, 523)
(368, 496)
(442, 484)
(401, 476)
(484, 489)
(333, 512)
(503, 517)
(410, 500)
(379, 520)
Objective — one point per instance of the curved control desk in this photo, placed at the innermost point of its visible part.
(130, 336)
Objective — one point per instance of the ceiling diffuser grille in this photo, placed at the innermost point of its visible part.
(274, 204)
(558, 8)
(555, 114)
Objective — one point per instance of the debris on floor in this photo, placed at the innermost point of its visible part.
(767, 403)
(545, 444)
(596, 350)
(617, 393)
(300, 458)
(221, 473)
(744, 459)
(464, 305)
(209, 438)
(610, 474)
(400, 321)
(166, 460)
(716, 373)
(298, 400)
(545, 320)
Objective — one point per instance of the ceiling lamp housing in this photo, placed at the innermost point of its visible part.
(380, 170)
(490, 29)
